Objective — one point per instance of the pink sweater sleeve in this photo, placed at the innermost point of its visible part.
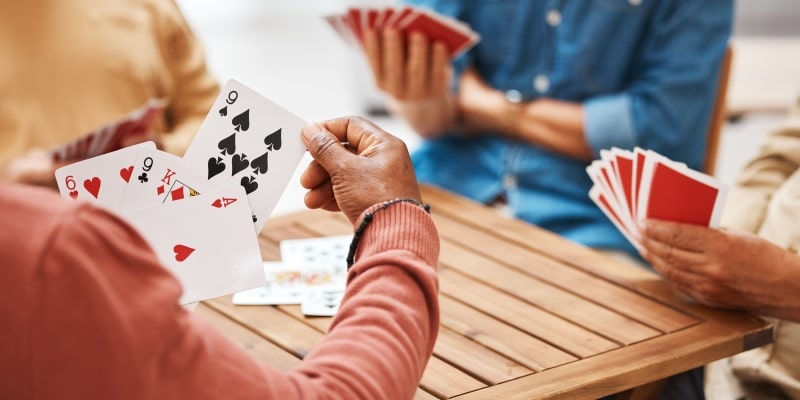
(89, 313)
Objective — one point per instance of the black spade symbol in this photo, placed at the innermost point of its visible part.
(241, 122)
(273, 141)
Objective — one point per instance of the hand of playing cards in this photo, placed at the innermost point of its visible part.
(312, 273)
(201, 213)
(457, 36)
(110, 137)
(631, 186)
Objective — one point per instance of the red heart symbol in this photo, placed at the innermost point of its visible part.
(182, 252)
(217, 203)
(73, 194)
(92, 186)
(125, 173)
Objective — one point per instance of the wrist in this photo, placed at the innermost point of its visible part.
(512, 111)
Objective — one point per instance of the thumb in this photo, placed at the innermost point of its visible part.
(323, 145)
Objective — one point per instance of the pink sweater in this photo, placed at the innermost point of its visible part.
(88, 313)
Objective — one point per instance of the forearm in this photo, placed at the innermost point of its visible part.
(551, 124)
(382, 337)
(429, 118)
(555, 125)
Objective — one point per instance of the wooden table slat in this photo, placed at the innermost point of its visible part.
(548, 327)
(502, 338)
(261, 349)
(479, 361)
(444, 381)
(555, 300)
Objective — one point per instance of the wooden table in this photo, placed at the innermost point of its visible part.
(525, 314)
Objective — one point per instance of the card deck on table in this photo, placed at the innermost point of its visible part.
(323, 262)
(248, 141)
(102, 179)
(110, 137)
(285, 285)
(457, 36)
(630, 186)
(206, 241)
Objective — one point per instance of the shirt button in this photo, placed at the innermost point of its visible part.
(541, 83)
(554, 17)
(509, 181)
(634, 2)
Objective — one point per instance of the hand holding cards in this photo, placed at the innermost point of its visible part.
(457, 36)
(201, 213)
(630, 186)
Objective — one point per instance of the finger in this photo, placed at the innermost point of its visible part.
(314, 175)
(359, 133)
(325, 147)
(331, 206)
(393, 62)
(688, 237)
(440, 71)
(319, 196)
(674, 255)
(372, 48)
(417, 66)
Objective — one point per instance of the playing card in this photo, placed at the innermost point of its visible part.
(206, 241)
(604, 191)
(285, 285)
(599, 198)
(324, 265)
(353, 21)
(623, 174)
(160, 177)
(102, 179)
(248, 141)
(110, 137)
(339, 25)
(396, 16)
(440, 28)
(671, 191)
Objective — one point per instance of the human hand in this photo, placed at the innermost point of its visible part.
(356, 165)
(34, 167)
(722, 268)
(416, 71)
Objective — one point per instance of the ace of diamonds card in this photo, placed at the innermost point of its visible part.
(249, 141)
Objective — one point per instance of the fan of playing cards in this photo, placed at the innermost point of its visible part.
(201, 213)
(110, 137)
(457, 36)
(631, 186)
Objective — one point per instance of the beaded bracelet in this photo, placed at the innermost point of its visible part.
(368, 218)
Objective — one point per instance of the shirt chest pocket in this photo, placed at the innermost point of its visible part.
(494, 20)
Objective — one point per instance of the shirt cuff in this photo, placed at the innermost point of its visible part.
(609, 123)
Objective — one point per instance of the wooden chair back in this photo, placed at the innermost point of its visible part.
(718, 115)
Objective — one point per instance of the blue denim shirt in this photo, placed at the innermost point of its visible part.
(645, 71)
